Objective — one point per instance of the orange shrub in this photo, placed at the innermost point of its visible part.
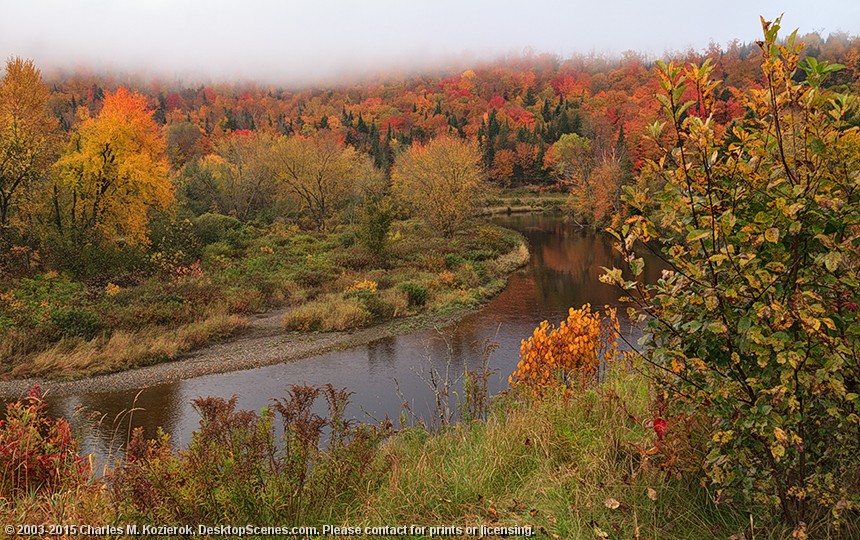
(570, 354)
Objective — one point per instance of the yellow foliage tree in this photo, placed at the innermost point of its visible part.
(242, 174)
(113, 172)
(321, 173)
(442, 182)
(27, 139)
(570, 354)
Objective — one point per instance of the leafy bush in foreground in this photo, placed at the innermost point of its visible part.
(37, 452)
(236, 471)
(756, 324)
(570, 354)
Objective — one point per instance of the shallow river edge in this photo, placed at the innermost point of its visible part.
(245, 351)
(256, 347)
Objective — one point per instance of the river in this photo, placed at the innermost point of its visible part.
(563, 272)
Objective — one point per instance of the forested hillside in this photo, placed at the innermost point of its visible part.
(536, 119)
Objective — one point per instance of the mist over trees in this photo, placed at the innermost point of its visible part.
(91, 160)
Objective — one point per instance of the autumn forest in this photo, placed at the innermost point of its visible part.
(143, 219)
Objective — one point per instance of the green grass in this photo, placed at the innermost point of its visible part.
(556, 466)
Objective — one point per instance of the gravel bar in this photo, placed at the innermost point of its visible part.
(263, 343)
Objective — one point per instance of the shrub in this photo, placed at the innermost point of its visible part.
(467, 276)
(453, 261)
(169, 234)
(570, 354)
(372, 302)
(33, 300)
(416, 294)
(756, 325)
(211, 228)
(432, 262)
(480, 255)
(158, 309)
(94, 259)
(216, 251)
(241, 300)
(236, 470)
(313, 273)
(496, 239)
(354, 258)
(395, 300)
(346, 239)
(331, 312)
(37, 452)
(374, 226)
(76, 322)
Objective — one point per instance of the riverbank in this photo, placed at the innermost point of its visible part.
(262, 343)
(61, 329)
(525, 200)
(571, 465)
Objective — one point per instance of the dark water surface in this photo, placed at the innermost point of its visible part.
(563, 272)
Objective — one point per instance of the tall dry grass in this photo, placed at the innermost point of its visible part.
(125, 349)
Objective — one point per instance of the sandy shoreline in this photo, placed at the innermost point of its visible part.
(263, 343)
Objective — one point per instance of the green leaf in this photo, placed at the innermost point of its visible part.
(728, 221)
(717, 328)
(832, 260)
(697, 234)
(611, 276)
(655, 129)
(637, 265)
(763, 218)
(818, 146)
(692, 326)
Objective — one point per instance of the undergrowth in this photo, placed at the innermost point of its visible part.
(71, 325)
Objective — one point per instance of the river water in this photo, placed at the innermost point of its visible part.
(563, 272)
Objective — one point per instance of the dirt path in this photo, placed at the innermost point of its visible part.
(263, 343)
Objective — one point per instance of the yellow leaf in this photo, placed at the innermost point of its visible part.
(772, 234)
(777, 450)
(780, 435)
(600, 533)
(611, 503)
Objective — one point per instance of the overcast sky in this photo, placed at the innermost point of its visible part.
(295, 41)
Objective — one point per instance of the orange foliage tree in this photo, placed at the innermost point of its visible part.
(570, 354)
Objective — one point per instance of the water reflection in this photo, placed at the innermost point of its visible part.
(563, 272)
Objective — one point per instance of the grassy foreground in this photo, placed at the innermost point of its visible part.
(574, 465)
(583, 464)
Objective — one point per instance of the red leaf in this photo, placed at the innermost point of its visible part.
(660, 427)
